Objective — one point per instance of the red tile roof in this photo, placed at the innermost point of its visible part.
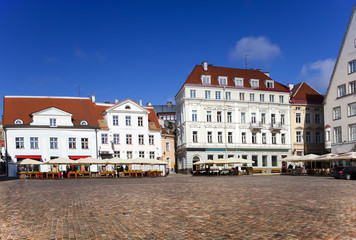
(304, 94)
(153, 122)
(231, 73)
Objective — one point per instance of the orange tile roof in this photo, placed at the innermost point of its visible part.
(231, 73)
(304, 94)
(153, 122)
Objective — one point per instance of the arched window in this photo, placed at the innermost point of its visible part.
(196, 159)
(83, 122)
(127, 107)
(18, 121)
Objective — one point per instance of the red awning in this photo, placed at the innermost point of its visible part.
(29, 156)
(78, 157)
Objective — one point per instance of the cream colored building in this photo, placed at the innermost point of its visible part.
(306, 120)
(168, 148)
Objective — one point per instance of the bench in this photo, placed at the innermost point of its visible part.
(257, 170)
(276, 170)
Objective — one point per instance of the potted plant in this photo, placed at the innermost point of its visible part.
(249, 170)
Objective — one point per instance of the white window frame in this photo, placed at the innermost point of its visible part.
(116, 138)
(352, 132)
(352, 66)
(53, 122)
(141, 139)
(210, 137)
(85, 143)
(242, 96)
(262, 97)
(255, 83)
(239, 82)
(206, 79)
(104, 138)
(72, 143)
(298, 136)
(140, 121)
(222, 80)
(218, 95)
(34, 142)
(341, 90)
(269, 84)
(337, 113)
(228, 95)
(151, 140)
(207, 94)
(128, 120)
(352, 87)
(252, 97)
(193, 93)
(19, 142)
(115, 120)
(53, 142)
(195, 136)
(352, 109)
(128, 139)
(338, 134)
(194, 115)
(271, 98)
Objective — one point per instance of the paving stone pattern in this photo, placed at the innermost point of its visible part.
(174, 207)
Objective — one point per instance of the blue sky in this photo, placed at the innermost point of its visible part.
(146, 49)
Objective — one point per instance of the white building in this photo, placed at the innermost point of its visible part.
(340, 101)
(227, 112)
(44, 128)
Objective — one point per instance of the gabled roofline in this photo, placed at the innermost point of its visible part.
(342, 47)
(125, 101)
(51, 108)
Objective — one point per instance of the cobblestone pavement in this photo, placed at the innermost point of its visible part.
(238, 207)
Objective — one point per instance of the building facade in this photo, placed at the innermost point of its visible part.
(168, 149)
(307, 120)
(227, 112)
(340, 101)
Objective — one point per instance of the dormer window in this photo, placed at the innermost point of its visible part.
(254, 83)
(18, 121)
(239, 82)
(269, 84)
(222, 80)
(83, 122)
(205, 79)
(53, 122)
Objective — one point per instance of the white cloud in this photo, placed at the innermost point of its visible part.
(257, 49)
(317, 74)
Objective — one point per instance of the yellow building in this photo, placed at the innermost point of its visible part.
(307, 120)
(168, 149)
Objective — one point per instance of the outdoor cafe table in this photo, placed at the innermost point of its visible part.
(30, 174)
(53, 175)
(107, 174)
(72, 174)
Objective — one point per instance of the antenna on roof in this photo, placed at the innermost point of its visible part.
(77, 85)
(246, 63)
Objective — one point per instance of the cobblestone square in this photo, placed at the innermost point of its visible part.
(179, 207)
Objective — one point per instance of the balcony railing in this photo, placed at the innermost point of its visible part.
(256, 126)
(276, 126)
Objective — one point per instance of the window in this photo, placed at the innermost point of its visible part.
(194, 115)
(273, 118)
(327, 136)
(104, 138)
(210, 137)
(341, 90)
(205, 79)
(208, 116)
(229, 117)
(254, 83)
(141, 154)
(283, 119)
(129, 154)
(299, 153)
(141, 139)
(307, 118)
(308, 137)
(52, 122)
(228, 95)
(274, 161)
(195, 136)
(352, 131)
(264, 138)
(53, 143)
(117, 154)
(152, 155)
(207, 94)
(243, 137)
(262, 97)
(85, 143)
(255, 159)
(298, 136)
(128, 138)
(264, 161)
(210, 157)
(297, 108)
(352, 87)
(317, 118)
(34, 142)
(318, 137)
(127, 107)
(168, 147)
(140, 121)
(72, 143)
(220, 138)
(128, 120)
(229, 137)
(223, 80)
(274, 138)
(253, 117)
(269, 84)
(116, 138)
(352, 109)
(115, 120)
(243, 117)
(281, 99)
(151, 139)
(283, 138)
(298, 117)
(242, 96)
(337, 133)
(271, 98)
(218, 117)
(352, 66)
(217, 95)
(252, 97)
(83, 122)
(18, 121)
(263, 118)
(254, 138)
(192, 94)
(239, 81)
(19, 142)
(337, 113)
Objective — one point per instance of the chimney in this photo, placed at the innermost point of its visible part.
(149, 104)
(267, 74)
(259, 69)
(93, 98)
(291, 86)
(140, 101)
(205, 65)
(116, 100)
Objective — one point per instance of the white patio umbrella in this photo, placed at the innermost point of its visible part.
(90, 160)
(60, 161)
(292, 158)
(116, 161)
(326, 157)
(28, 161)
(202, 162)
(346, 156)
(239, 160)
